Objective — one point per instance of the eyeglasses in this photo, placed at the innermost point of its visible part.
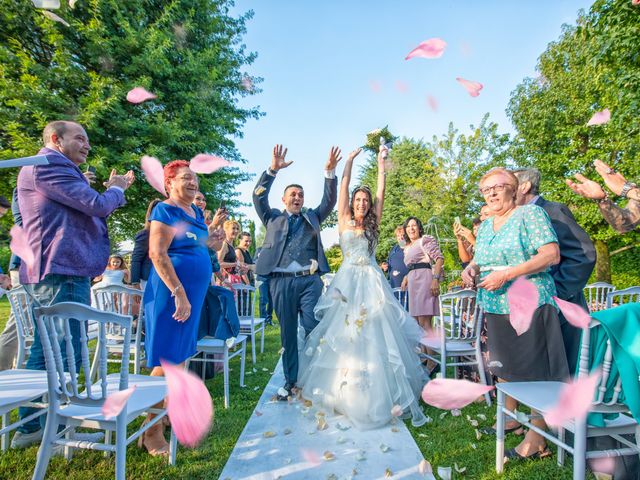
(498, 187)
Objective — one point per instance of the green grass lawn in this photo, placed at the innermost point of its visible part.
(443, 442)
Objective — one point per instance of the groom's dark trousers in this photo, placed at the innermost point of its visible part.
(293, 297)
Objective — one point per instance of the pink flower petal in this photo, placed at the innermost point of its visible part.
(575, 314)
(635, 2)
(20, 247)
(605, 464)
(154, 172)
(375, 86)
(247, 83)
(432, 48)
(115, 402)
(396, 411)
(447, 393)
(600, 118)
(472, 87)
(203, 163)
(310, 456)
(433, 103)
(55, 18)
(401, 86)
(139, 95)
(523, 297)
(574, 400)
(188, 403)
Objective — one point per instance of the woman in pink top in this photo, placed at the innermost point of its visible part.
(424, 260)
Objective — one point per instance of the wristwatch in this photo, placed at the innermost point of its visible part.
(626, 188)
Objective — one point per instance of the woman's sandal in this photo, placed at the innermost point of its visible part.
(517, 430)
(154, 452)
(512, 454)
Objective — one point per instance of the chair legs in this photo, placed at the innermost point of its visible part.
(243, 357)
(121, 446)
(226, 376)
(173, 447)
(561, 451)
(580, 449)
(253, 346)
(46, 446)
(4, 440)
(483, 375)
(262, 340)
(500, 433)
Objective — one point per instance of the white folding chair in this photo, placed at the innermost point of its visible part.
(21, 307)
(402, 296)
(596, 295)
(620, 297)
(249, 324)
(541, 396)
(19, 388)
(209, 347)
(73, 404)
(120, 299)
(459, 326)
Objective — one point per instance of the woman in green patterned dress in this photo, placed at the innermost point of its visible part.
(514, 242)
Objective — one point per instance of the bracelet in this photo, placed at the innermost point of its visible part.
(175, 290)
(601, 200)
(626, 188)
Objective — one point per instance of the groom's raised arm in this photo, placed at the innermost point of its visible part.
(261, 196)
(330, 195)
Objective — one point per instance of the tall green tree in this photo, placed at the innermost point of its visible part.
(187, 52)
(595, 64)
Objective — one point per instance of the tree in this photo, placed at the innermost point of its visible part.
(187, 52)
(593, 65)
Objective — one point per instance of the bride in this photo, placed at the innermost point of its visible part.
(361, 359)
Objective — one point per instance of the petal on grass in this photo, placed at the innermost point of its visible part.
(188, 403)
(449, 394)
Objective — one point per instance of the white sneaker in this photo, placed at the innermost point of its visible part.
(23, 440)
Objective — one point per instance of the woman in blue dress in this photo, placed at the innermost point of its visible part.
(178, 281)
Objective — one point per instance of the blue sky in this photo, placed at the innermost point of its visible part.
(332, 71)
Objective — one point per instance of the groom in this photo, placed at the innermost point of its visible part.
(292, 255)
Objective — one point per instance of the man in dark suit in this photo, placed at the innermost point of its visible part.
(292, 255)
(577, 255)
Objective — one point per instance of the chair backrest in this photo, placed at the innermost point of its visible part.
(245, 300)
(600, 403)
(55, 330)
(117, 299)
(460, 315)
(596, 295)
(402, 296)
(21, 307)
(620, 297)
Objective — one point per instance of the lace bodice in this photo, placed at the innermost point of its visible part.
(355, 248)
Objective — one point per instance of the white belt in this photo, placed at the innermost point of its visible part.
(495, 268)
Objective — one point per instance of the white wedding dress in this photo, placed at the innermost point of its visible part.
(361, 359)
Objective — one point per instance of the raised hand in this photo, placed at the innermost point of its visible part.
(586, 188)
(335, 155)
(122, 181)
(612, 179)
(354, 154)
(277, 159)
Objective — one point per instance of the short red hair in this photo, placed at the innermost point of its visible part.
(171, 170)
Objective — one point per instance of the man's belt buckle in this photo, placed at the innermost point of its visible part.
(301, 273)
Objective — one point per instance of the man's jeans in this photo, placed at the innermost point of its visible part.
(266, 304)
(54, 289)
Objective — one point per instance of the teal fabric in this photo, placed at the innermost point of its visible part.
(519, 239)
(620, 325)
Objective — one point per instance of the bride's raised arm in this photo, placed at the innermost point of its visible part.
(344, 212)
(382, 176)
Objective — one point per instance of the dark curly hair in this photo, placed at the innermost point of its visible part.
(370, 221)
(418, 223)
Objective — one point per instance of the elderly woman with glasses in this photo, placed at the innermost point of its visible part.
(518, 241)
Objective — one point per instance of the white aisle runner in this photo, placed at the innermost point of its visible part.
(282, 440)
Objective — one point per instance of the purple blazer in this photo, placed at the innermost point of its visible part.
(64, 219)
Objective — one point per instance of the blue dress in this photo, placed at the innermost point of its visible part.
(167, 338)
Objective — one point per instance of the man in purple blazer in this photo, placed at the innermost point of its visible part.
(64, 221)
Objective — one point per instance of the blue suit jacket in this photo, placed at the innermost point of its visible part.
(277, 225)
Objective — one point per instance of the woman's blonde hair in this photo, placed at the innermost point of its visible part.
(229, 223)
(498, 171)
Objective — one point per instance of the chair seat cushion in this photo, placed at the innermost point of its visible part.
(149, 391)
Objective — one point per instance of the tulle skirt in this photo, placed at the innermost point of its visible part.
(361, 360)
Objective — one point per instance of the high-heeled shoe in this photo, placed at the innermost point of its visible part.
(162, 451)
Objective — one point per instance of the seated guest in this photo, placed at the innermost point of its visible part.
(622, 220)
(74, 227)
(242, 253)
(178, 280)
(115, 274)
(397, 269)
(140, 261)
(425, 263)
(384, 266)
(577, 255)
(518, 241)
